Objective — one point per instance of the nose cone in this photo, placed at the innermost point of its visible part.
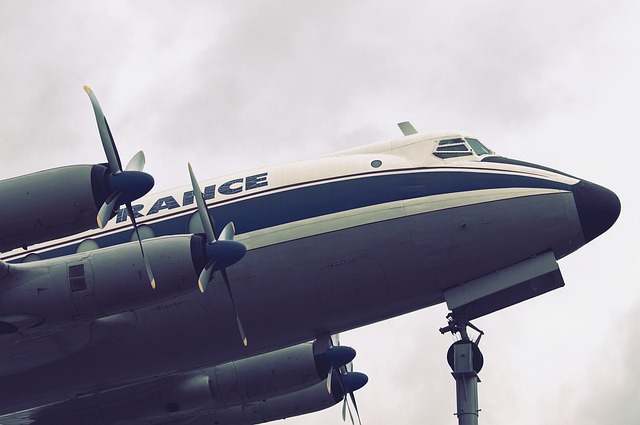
(598, 208)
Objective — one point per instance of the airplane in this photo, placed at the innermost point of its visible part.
(223, 305)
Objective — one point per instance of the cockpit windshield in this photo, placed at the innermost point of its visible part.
(458, 147)
(478, 147)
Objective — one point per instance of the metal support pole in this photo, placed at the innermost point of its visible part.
(466, 360)
(466, 382)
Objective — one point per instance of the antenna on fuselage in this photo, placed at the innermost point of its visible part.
(406, 128)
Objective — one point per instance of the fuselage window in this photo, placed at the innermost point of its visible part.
(76, 278)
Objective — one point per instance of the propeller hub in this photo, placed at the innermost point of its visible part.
(225, 253)
(353, 381)
(334, 358)
(133, 184)
(347, 383)
(340, 355)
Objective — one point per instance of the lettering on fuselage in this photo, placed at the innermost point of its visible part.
(230, 187)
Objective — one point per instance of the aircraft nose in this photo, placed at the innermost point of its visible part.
(598, 208)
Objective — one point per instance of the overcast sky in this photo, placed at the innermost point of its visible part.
(234, 85)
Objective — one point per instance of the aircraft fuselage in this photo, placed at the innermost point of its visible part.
(333, 244)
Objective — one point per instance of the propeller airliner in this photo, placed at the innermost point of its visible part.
(221, 302)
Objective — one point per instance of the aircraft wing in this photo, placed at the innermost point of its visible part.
(283, 383)
(23, 344)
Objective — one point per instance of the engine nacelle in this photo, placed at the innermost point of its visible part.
(280, 384)
(248, 380)
(308, 400)
(51, 204)
(99, 283)
(227, 386)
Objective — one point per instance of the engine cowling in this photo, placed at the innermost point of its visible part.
(248, 380)
(225, 387)
(51, 204)
(304, 401)
(307, 400)
(99, 283)
(280, 384)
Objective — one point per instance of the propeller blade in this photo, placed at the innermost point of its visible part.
(105, 134)
(349, 408)
(205, 276)
(337, 356)
(131, 213)
(349, 383)
(136, 163)
(344, 392)
(202, 208)
(335, 339)
(355, 406)
(345, 405)
(228, 233)
(344, 410)
(107, 208)
(240, 328)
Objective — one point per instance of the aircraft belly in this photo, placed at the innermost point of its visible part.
(463, 243)
(291, 291)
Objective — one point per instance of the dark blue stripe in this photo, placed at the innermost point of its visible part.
(326, 198)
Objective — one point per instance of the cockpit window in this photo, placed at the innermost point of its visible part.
(450, 142)
(478, 147)
(457, 147)
(452, 148)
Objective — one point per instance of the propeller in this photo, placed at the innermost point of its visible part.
(221, 253)
(340, 359)
(126, 185)
(337, 356)
(341, 379)
(349, 383)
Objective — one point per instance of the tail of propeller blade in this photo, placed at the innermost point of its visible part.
(136, 163)
(124, 186)
(221, 253)
(108, 144)
(228, 233)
